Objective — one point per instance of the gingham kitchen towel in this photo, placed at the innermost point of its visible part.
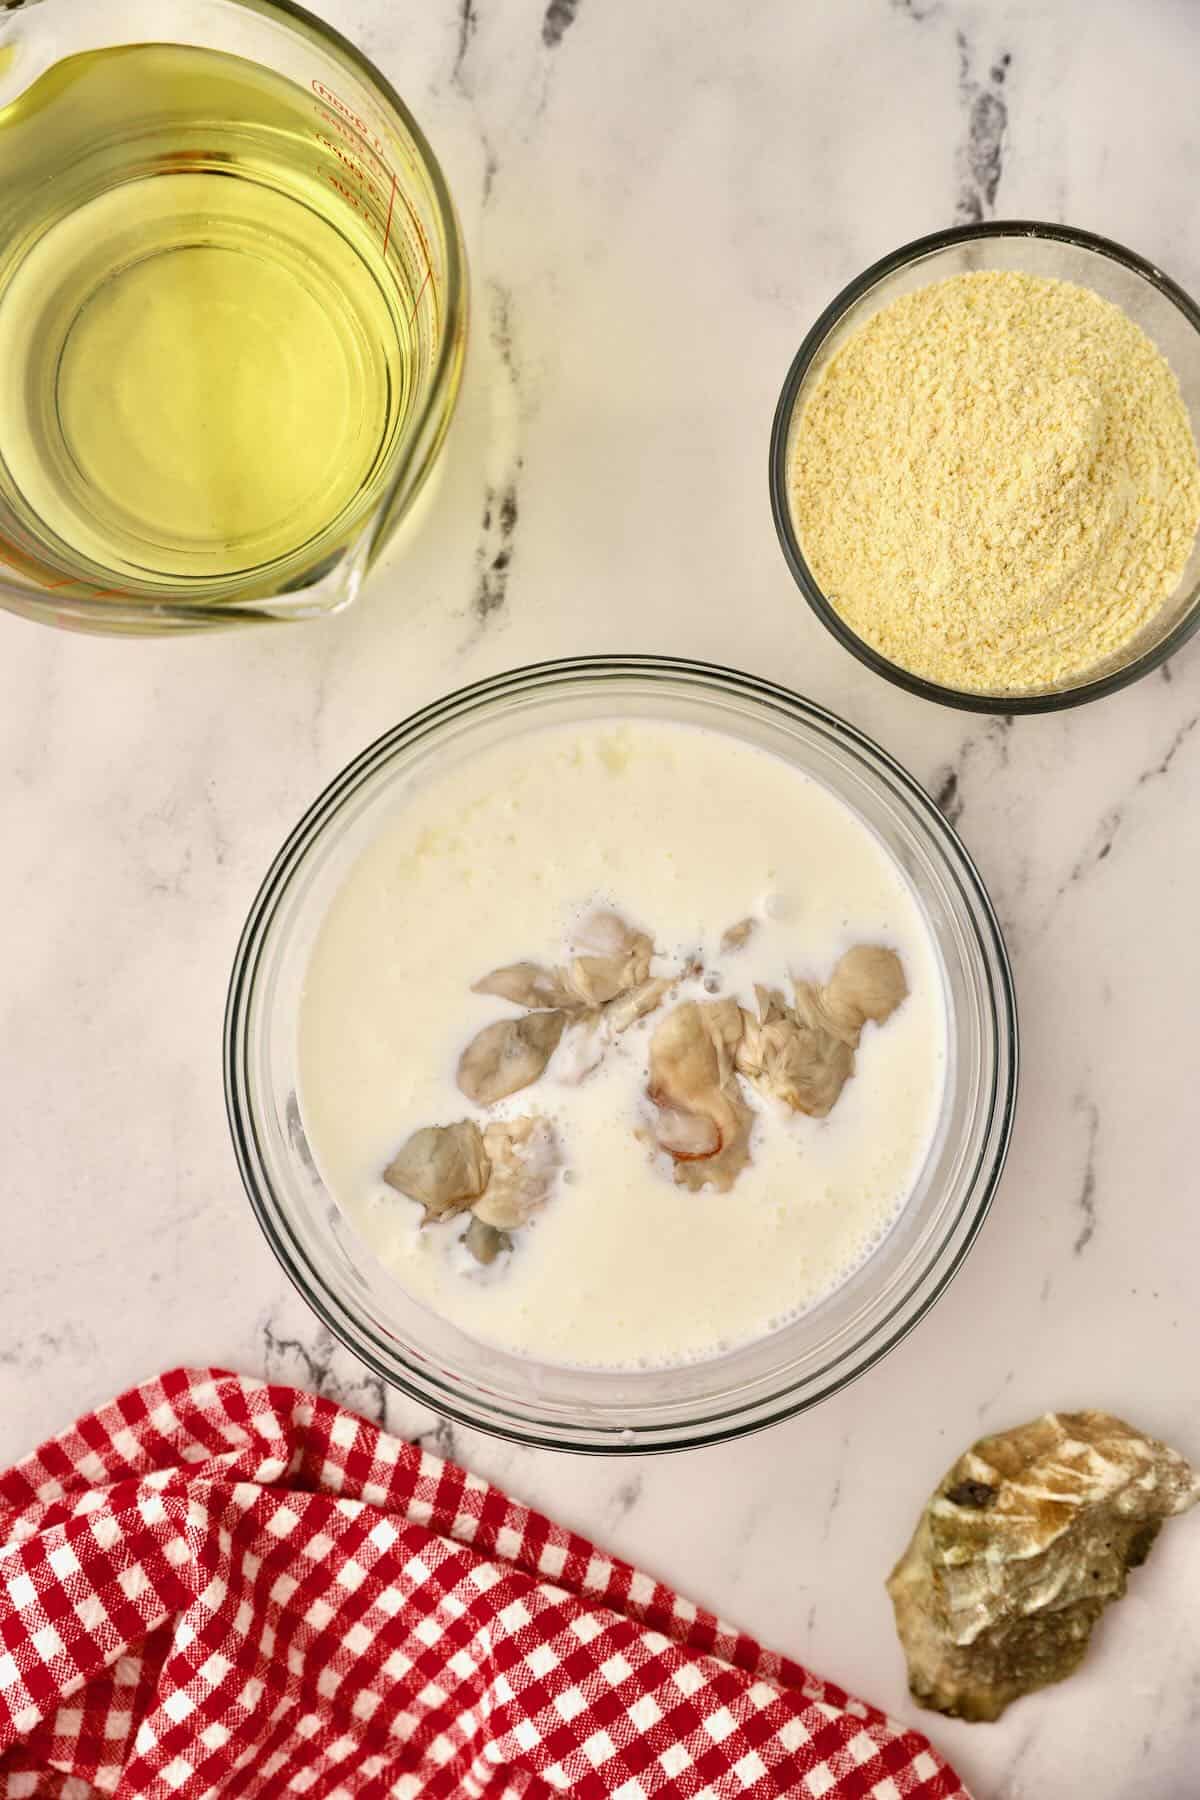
(213, 1586)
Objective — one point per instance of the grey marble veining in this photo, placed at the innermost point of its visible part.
(657, 202)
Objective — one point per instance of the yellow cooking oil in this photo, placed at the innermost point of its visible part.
(204, 330)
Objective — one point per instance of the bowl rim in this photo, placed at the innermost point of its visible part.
(716, 1420)
(934, 241)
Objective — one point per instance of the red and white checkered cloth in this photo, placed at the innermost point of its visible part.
(213, 1586)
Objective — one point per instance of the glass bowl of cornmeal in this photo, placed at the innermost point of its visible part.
(621, 1054)
(984, 471)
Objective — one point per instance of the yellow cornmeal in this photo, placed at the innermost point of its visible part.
(995, 482)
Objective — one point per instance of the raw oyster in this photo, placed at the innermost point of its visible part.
(1027, 1539)
(688, 1137)
(484, 1242)
(703, 1122)
(867, 983)
(503, 1173)
(590, 1034)
(444, 1167)
(610, 957)
(803, 1054)
(606, 988)
(799, 1062)
(636, 1003)
(582, 1049)
(525, 1159)
(530, 985)
(509, 1055)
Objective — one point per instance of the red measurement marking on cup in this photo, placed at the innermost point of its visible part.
(387, 230)
(34, 572)
(34, 575)
(339, 105)
(357, 133)
(355, 128)
(420, 291)
(367, 182)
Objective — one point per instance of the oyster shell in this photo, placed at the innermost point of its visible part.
(509, 1055)
(1025, 1542)
(444, 1167)
(703, 1122)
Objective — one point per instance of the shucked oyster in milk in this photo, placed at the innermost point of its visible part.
(802, 1056)
(623, 1043)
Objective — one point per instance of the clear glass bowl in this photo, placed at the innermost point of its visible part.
(1164, 312)
(583, 1409)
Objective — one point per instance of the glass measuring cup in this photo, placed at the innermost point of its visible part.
(232, 313)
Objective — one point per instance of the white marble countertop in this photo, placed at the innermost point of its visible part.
(657, 201)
